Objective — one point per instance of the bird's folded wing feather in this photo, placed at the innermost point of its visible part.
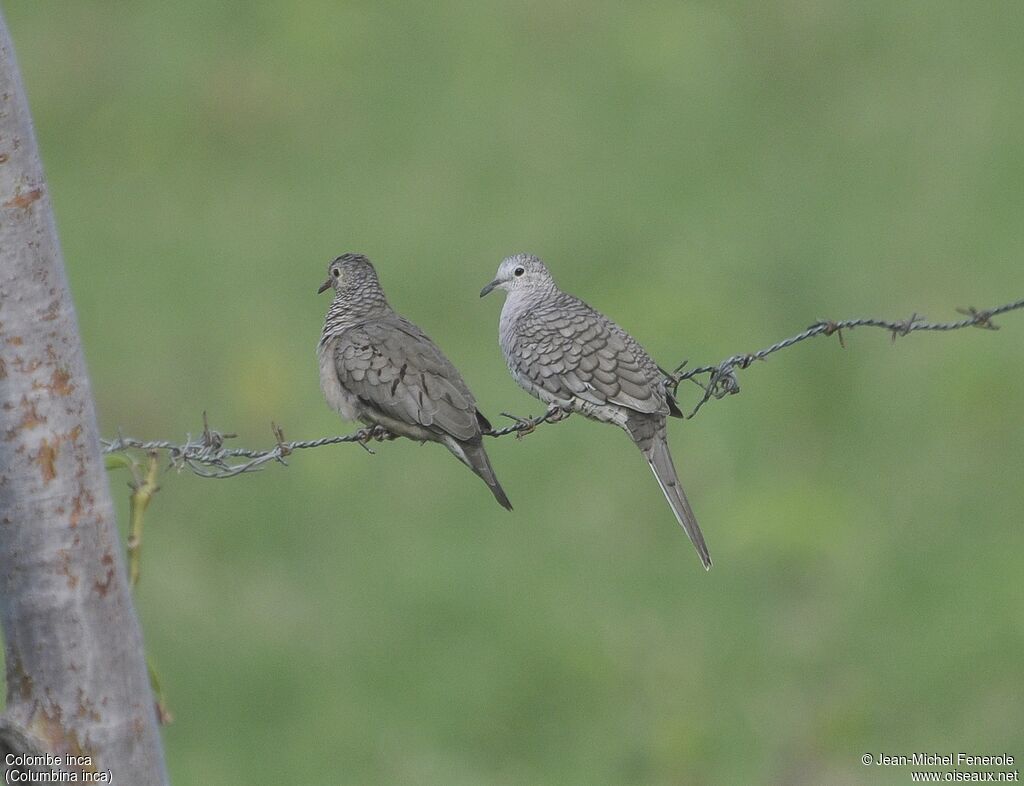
(573, 350)
(393, 366)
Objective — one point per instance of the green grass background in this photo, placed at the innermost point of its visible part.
(715, 176)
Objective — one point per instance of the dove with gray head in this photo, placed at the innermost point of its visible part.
(379, 368)
(575, 359)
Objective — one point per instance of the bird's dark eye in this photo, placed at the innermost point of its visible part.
(518, 271)
(335, 272)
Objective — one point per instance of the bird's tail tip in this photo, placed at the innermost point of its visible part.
(499, 494)
(702, 548)
(660, 460)
(474, 456)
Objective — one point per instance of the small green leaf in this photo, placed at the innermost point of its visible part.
(117, 461)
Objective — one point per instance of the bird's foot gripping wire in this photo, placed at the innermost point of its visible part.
(381, 434)
(555, 413)
(521, 426)
(374, 433)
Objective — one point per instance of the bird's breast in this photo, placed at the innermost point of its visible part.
(338, 398)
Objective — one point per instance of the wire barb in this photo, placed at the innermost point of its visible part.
(981, 319)
(209, 457)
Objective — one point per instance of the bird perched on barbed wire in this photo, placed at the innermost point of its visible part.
(575, 359)
(379, 368)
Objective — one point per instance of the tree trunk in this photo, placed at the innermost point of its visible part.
(76, 672)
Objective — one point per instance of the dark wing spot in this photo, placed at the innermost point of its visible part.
(399, 378)
(673, 407)
(485, 424)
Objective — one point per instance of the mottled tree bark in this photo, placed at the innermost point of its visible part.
(76, 672)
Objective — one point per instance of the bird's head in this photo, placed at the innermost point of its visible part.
(350, 272)
(520, 272)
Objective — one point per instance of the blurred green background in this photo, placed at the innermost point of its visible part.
(715, 177)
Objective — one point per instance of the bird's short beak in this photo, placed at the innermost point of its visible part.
(489, 287)
(324, 287)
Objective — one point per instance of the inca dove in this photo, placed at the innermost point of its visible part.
(379, 368)
(575, 359)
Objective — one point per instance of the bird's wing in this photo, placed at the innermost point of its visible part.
(569, 349)
(392, 366)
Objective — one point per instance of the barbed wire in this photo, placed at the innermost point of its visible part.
(207, 456)
(722, 378)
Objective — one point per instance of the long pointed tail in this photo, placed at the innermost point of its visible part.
(655, 450)
(474, 456)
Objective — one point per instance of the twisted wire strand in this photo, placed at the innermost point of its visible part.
(722, 378)
(207, 456)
